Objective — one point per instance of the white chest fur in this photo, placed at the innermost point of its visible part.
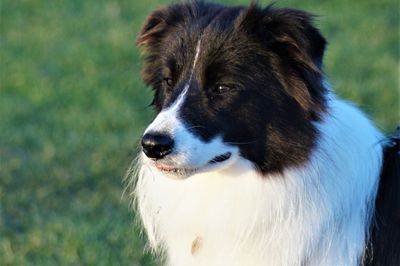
(316, 214)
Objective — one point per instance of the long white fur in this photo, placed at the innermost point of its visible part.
(316, 214)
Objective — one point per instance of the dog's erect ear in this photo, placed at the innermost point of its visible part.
(296, 48)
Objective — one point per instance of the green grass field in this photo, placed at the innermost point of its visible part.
(72, 108)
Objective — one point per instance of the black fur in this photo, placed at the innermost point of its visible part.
(384, 246)
(268, 62)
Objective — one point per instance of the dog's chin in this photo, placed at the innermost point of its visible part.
(181, 172)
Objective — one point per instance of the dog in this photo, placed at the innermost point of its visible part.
(252, 159)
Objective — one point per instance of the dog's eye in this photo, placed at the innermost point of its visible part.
(169, 82)
(221, 89)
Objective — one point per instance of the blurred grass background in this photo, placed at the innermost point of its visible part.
(72, 108)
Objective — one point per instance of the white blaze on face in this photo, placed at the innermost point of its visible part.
(189, 150)
(166, 120)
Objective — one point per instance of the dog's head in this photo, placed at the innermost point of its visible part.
(231, 83)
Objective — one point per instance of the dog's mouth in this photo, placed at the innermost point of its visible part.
(175, 170)
(188, 171)
(220, 158)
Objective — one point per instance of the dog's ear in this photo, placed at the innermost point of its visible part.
(296, 49)
(294, 29)
(150, 40)
(156, 27)
(153, 27)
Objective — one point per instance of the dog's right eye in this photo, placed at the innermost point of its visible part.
(221, 89)
(169, 82)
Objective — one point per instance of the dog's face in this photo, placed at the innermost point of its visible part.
(230, 84)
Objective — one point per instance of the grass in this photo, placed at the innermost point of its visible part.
(72, 108)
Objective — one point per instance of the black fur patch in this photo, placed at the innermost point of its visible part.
(384, 244)
(257, 82)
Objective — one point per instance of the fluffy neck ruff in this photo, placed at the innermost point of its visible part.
(316, 214)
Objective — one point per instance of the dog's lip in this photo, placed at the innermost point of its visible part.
(164, 167)
(173, 169)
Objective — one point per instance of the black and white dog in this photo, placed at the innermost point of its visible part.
(252, 159)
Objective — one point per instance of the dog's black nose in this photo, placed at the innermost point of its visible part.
(156, 145)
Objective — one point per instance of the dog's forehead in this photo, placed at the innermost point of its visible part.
(216, 35)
